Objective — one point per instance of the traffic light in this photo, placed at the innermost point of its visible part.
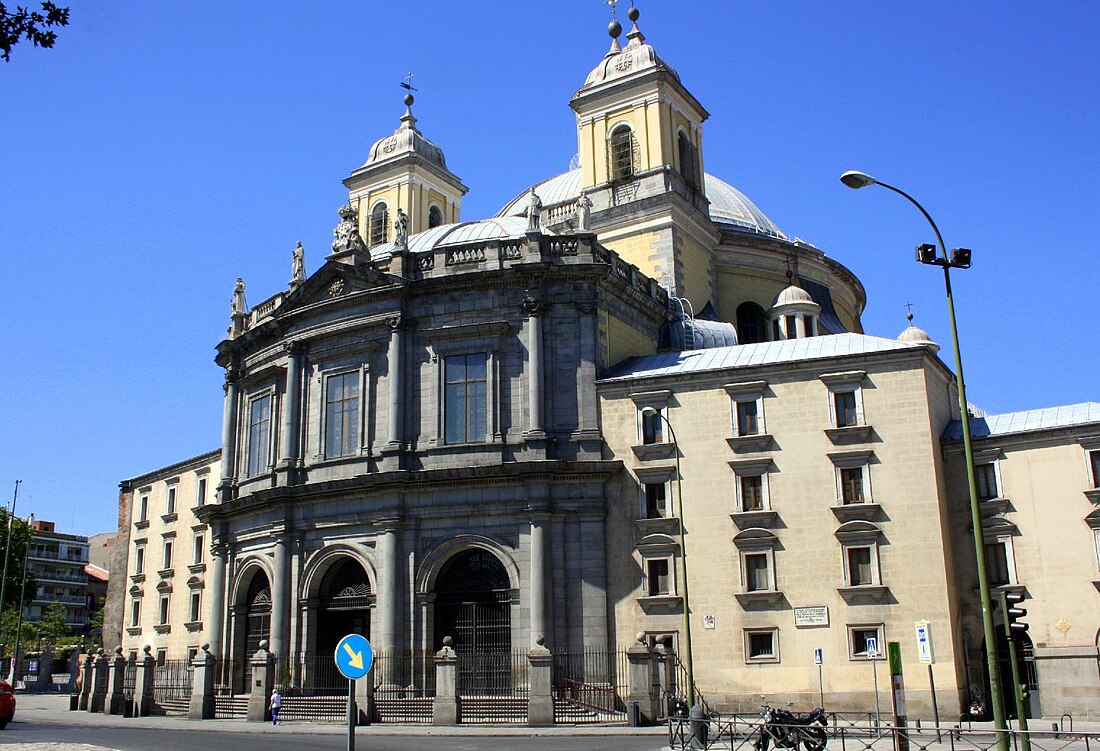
(1014, 612)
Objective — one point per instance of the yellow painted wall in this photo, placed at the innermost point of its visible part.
(638, 250)
(736, 287)
(695, 262)
(620, 340)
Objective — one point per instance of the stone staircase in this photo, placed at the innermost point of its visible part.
(231, 707)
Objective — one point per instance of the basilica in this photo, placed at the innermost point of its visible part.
(627, 409)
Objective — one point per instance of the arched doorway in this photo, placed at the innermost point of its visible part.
(345, 604)
(257, 616)
(750, 323)
(473, 604)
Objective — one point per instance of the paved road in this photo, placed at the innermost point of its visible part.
(43, 737)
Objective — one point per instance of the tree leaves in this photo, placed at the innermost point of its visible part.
(36, 26)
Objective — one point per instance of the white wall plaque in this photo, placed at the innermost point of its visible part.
(815, 615)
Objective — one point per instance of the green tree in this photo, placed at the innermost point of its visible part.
(8, 622)
(52, 628)
(35, 26)
(20, 583)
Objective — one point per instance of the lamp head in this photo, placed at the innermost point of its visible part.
(926, 253)
(960, 258)
(855, 179)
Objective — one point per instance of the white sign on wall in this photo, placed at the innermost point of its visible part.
(925, 651)
(708, 621)
(815, 615)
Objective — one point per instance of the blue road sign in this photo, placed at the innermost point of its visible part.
(354, 656)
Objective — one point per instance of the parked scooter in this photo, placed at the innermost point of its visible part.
(785, 729)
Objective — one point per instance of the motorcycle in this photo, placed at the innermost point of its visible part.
(785, 729)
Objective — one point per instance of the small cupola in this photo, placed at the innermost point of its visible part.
(793, 314)
(917, 336)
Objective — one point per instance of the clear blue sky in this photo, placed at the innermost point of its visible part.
(163, 149)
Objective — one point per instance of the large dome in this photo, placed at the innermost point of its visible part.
(728, 205)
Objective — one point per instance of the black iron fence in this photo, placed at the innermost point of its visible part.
(172, 684)
(404, 686)
(589, 686)
(493, 686)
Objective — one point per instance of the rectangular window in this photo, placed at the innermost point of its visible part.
(986, 476)
(199, 549)
(139, 561)
(860, 568)
(860, 639)
(465, 389)
(200, 499)
(653, 428)
(851, 485)
(790, 323)
(167, 555)
(657, 576)
(845, 405)
(757, 577)
(811, 325)
(342, 415)
(170, 505)
(259, 435)
(135, 613)
(164, 601)
(761, 645)
(143, 509)
(776, 335)
(1094, 464)
(162, 657)
(656, 501)
(752, 493)
(996, 560)
(747, 422)
(196, 606)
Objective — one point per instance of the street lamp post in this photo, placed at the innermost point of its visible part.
(959, 258)
(22, 595)
(688, 665)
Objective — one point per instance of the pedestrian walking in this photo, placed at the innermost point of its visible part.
(276, 705)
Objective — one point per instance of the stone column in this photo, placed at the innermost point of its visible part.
(389, 610)
(116, 674)
(280, 596)
(540, 698)
(593, 582)
(290, 440)
(262, 668)
(538, 584)
(99, 682)
(202, 686)
(215, 601)
(533, 309)
(640, 689)
(229, 435)
(364, 699)
(143, 683)
(396, 388)
(445, 706)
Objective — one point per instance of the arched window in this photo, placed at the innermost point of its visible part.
(621, 152)
(689, 163)
(750, 323)
(379, 221)
(435, 217)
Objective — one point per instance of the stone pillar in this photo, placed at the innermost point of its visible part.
(389, 559)
(364, 699)
(215, 601)
(202, 687)
(396, 388)
(262, 668)
(229, 435)
(99, 682)
(538, 577)
(116, 674)
(143, 683)
(445, 707)
(640, 688)
(535, 428)
(666, 675)
(290, 440)
(280, 596)
(540, 698)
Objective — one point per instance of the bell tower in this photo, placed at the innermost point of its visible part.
(404, 171)
(639, 140)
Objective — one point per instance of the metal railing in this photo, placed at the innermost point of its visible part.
(735, 732)
(404, 686)
(588, 686)
(172, 680)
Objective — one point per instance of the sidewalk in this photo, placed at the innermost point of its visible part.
(54, 709)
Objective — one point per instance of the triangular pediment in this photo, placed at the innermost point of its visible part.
(333, 281)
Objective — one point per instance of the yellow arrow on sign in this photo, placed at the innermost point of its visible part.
(355, 658)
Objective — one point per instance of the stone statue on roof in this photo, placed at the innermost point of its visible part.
(238, 307)
(584, 205)
(401, 230)
(534, 211)
(346, 235)
(298, 266)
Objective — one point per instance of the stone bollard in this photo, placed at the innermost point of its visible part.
(445, 706)
(640, 689)
(116, 674)
(143, 683)
(540, 698)
(667, 676)
(202, 686)
(263, 669)
(99, 681)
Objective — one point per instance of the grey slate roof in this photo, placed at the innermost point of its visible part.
(747, 355)
(1027, 421)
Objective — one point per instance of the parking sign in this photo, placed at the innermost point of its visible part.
(925, 652)
(872, 648)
